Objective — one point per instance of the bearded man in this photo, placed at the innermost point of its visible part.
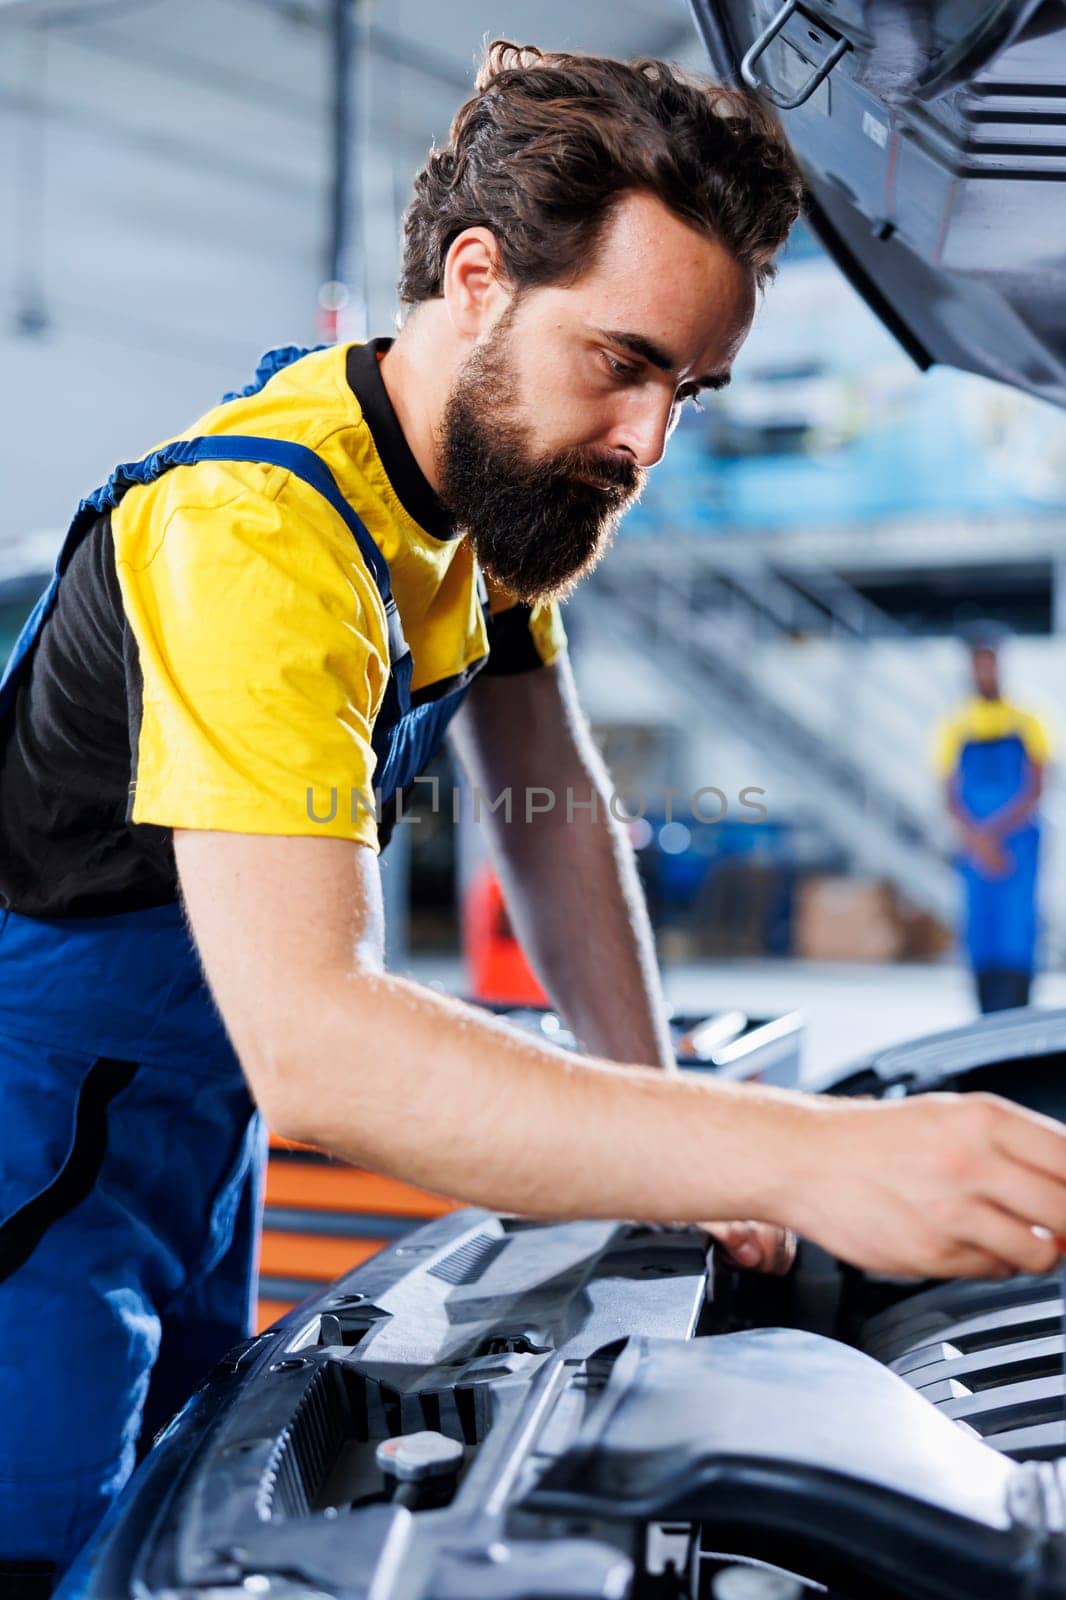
(282, 609)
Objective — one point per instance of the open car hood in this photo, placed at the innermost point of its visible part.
(932, 135)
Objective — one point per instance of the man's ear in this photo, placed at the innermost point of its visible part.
(474, 283)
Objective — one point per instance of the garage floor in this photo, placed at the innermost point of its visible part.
(849, 1009)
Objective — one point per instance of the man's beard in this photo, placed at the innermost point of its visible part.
(536, 528)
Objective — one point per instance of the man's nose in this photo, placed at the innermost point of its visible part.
(642, 430)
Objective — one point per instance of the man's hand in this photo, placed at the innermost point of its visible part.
(986, 850)
(760, 1246)
(940, 1186)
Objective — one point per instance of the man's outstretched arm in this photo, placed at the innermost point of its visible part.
(571, 883)
(564, 860)
(384, 1073)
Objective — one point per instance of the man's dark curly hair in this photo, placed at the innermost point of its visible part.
(549, 142)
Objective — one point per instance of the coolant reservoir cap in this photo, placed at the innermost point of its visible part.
(755, 1583)
(419, 1455)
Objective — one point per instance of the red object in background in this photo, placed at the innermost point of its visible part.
(496, 964)
(328, 324)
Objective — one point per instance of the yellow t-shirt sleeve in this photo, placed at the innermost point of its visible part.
(263, 657)
(947, 744)
(1037, 740)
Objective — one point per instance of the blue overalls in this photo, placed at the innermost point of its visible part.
(1001, 912)
(130, 1152)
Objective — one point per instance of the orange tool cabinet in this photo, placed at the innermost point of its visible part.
(322, 1218)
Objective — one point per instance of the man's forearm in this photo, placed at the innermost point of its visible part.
(1017, 812)
(391, 1076)
(578, 908)
(405, 1081)
(567, 867)
(956, 810)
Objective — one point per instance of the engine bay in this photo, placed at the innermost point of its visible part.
(500, 1408)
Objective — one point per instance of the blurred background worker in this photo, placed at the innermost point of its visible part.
(993, 756)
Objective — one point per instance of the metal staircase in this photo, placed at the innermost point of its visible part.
(856, 742)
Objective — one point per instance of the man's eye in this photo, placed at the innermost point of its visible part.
(621, 369)
(692, 395)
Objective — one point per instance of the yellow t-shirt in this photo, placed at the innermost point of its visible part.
(218, 652)
(982, 721)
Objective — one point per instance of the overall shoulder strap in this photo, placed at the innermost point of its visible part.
(298, 459)
(306, 464)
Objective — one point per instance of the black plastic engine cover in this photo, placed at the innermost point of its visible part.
(812, 1451)
(1018, 1054)
(586, 1373)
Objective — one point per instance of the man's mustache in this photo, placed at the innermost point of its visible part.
(618, 473)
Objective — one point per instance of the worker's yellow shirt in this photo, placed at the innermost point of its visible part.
(982, 721)
(218, 648)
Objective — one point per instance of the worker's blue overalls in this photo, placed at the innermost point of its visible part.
(1001, 912)
(130, 1153)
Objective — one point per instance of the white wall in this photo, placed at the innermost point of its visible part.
(163, 213)
(164, 189)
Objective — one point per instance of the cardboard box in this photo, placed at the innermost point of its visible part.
(847, 919)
